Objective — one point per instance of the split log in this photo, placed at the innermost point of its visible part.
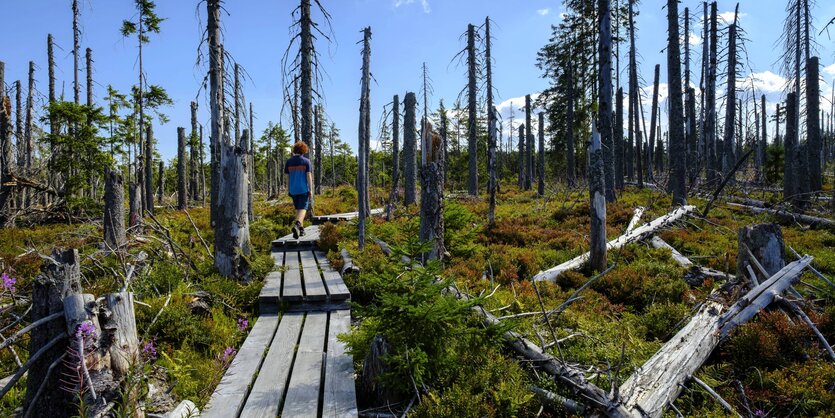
(632, 236)
(114, 215)
(812, 221)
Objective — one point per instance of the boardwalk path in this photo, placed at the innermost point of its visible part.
(292, 363)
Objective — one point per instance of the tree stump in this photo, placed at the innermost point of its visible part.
(766, 244)
(135, 206)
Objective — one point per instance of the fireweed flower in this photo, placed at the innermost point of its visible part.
(8, 282)
(243, 324)
(228, 354)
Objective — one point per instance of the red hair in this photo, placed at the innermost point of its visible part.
(300, 148)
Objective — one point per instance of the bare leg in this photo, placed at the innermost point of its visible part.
(300, 215)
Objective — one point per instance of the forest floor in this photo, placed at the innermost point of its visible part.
(191, 320)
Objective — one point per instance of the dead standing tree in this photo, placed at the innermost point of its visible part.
(492, 179)
(597, 182)
(182, 162)
(409, 149)
(364, 132)
(231, 224)
(472, 111)
(530, 149)
(114, 215)
(677, 145)
(729, 149)
(395, 155)
(432, 192)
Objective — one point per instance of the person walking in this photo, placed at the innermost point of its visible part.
(300, 181)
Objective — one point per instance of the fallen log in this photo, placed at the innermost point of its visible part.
(639, 211)
(634, 235)
(683, 261)
(812, 221)
(348, 265)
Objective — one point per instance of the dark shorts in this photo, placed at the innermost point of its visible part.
(301, 201)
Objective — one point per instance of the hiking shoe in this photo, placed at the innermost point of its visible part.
(301, 230)
(296, 230)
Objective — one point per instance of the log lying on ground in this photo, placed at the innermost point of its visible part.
(634, 235)
(695, 270)
(348, 265)
(659, 381)
(812, 221)
(639, 211)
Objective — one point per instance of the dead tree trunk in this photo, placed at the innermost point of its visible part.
(789, 167)
(692, 139)
(365, 134)
(654, 116)
(114, 215)
(18, 135)
(492, 180)
(182, 195)
(432, 193)
(317, 162)
(216, 101)
(530, 149)
(522, 156)
(76, 32)
(619, 146)
(763, 143)
(677, 146)
(604, 116)
(569, 122)
(149, 171)
(135, 206)
(160, 182)
(306, 72)
(6, 158)
(813, 130)
(395, 154)
(597, 238)
(728, 160)
(541, 166)
(246, 145)
(60, 276)
(409, 150)
(237, 99)
(765, 241)
(713, 165)
(28, 139)
(472, 111)
(194, 179)
(53, 124)
(232, 247)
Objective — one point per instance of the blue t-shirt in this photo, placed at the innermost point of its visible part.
(296, 169)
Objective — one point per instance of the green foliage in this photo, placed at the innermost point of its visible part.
(774, 156)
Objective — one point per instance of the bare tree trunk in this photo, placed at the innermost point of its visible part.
(202, 170)
(763, 143)
(530, 149)
(6, 158)
(135, 208)
(246, 149)
(409, 149)
(365, 134)
(713, 165)
(294, 111)
(28, 140)
(160, 182)
(541, 167)
(53, 124)
(692, 139)
(789, 165)
(19, 141)
(182, 194)
(569, 123)
(472, 121)
(631, 155)
(232, 248)
(216, 102)
(492, 180)
(728, 160)
(605, 111)
(813, 130)
(237, 98)
(250, 158)
(194, 179)
(619, 146)
(149, 171)
(395, 152)
(677, 145)
(306, 72)
(317, 162)
(114, 215)
(76, 32)
(597, 237)
(654, 116)
(522, 156)
(432, 193)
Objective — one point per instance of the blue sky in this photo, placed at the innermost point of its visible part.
(405, 34)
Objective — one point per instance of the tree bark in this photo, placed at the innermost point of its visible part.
(409, 150)
(677, 146)
(813, 130)
(729, 132)
(713, 165)
(149, 171)
(692, 139)
(530, 147)
(6, 158)
(364, 136)
(541, 166)
(232, 248)
(522, 156)
(237, 99)
(194, 180)
(306, 72)
(135, 206)
(395, 154)
(619, 145)
(28, 140)
(76, 86)
(472, 109)
(246, 145)
(317, 162)
(790, 145)
(114, 215)
(492, 181)
(215, 101)
(597, 237)
(604, 115)
(569, 123)
(182, 194)
(432, 193)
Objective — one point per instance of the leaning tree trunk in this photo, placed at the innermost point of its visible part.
(529, 145)
(597, 238)
(677, 146)
(114, 215)
(813, 131)
(216, 102)
(182, 195)
(409, 150)
(432, 193)
(472, 111)
(365, 135)
(604, 114)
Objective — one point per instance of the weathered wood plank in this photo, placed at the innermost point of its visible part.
(340, 399)
(228, 398)
(292, 290)
(310, 237)
(305, 383)
(271, 384)
(314, 288)
(336, 286)
(271, 292)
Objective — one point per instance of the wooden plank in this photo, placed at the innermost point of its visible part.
(271, 384)
(292, 288)
(271, 292)
(336, 286)
(314, 288)
(322, 259)
(340, 399)
(305, 383)
(278, 258)
(228, 398)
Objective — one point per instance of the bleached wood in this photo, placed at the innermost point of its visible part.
(340, 399)
(632, 236)
(305, 383)
(639, 211)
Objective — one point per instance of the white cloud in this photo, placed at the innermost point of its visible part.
(830, 69)
(694, 39)
(543, 12)
(423, 3)
(728, 16)
(765, 81)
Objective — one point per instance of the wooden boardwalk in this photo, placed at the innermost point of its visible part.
(338, 217)
(292, 364)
